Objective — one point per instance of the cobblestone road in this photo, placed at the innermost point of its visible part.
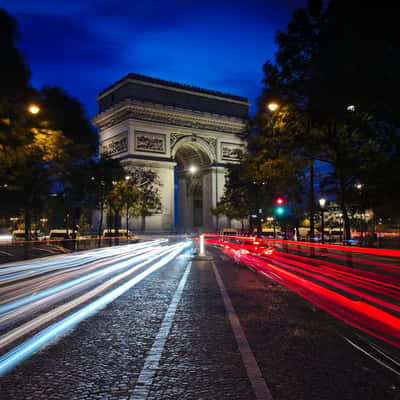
(299, 349)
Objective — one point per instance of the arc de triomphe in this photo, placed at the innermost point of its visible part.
(186, 134)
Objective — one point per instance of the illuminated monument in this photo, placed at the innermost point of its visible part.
(186, 134)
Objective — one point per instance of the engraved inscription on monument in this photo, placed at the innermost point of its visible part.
(231, 151)
(116, 145)
(150, 142)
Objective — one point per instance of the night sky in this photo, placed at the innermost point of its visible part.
(85, 45)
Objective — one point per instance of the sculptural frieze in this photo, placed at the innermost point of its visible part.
(115, 145)
(150, 142)
(231, 151)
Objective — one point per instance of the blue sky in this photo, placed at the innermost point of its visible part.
(85, 45)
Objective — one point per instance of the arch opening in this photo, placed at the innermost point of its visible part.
(193, 183)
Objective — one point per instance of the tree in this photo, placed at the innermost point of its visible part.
(37, 152)
(103, 173)
(66, 114)
(30, 173)
(310, 76)
(125, 195)
(148, 184)
(14, 72)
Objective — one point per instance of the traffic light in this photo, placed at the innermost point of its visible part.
(279, 209)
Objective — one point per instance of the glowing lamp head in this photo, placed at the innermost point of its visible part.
(272, 106)
(192, 169)
(34, 109)
(322, 202)
(279, 201)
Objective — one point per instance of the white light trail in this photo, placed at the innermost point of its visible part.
(51, 295)
(30, 346)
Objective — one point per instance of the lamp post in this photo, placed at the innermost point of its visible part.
(359, 186)
(322, 202)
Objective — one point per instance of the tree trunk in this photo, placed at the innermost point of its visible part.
(28, 222)
(143, 224)
(116, 222)
(346, 220)
(109, 221)
(127, 222)
(101, 220)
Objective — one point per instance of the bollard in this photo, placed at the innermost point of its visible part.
(201, 255)
(201, 252)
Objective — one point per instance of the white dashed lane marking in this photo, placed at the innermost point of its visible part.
(145, 380)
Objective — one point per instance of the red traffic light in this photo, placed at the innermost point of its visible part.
(279, 201)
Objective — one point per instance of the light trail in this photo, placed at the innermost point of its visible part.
(42, 319)
(33, 344)
(366, 300)
(100, 270)
(57, 293)
(19, 271)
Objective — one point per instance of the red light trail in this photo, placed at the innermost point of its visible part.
(365, 295)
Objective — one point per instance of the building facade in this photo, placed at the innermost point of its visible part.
(187, 135)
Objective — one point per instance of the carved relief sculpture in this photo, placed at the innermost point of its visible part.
(116, 145)
(231, 151)
(150, 142)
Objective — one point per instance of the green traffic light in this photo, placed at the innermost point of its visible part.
(280, 210)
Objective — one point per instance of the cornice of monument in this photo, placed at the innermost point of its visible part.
(172, 86)
(165, 114)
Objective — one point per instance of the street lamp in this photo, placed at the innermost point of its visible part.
(273, 106)
(34, 109)
(322, 203)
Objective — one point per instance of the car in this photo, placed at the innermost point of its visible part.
(19, 235)
(61, 234)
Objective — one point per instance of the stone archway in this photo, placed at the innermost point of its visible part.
(194, 195)
(166, 126)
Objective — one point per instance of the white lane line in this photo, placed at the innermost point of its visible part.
(145, 380)
(253, 371)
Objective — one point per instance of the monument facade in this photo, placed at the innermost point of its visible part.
(186, 134)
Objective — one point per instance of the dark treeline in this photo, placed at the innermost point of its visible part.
(50, 172)
(335, 81)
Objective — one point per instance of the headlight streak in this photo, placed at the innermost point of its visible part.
(50, 296)
(30, 346)
(10, 271)
(10, 291)
(55, 289)
(35, 323)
